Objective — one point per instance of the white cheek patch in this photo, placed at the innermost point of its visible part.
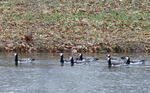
(61, 54)
(108, 59)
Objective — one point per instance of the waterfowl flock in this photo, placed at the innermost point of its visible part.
(78, 60)
(122, 61)
(112, 61)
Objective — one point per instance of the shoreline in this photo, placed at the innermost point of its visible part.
(129, 47)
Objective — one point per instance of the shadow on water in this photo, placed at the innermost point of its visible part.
(45, 75)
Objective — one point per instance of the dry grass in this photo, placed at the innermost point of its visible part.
(75, 25)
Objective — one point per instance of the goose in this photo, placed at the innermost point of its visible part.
(62, 60)
(86, 59)
(24, 60)
(72, 61)
(118, 59)
(110, 63)
(134, 61)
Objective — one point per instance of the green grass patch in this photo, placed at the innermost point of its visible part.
(53, 17)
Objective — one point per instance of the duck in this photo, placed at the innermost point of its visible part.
(24, 60)
(110, 63)
(87, 59)
(134, 61)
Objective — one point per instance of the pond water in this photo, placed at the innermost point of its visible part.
(46, 75)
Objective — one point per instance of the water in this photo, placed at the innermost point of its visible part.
(46, 75)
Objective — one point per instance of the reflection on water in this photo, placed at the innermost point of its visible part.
(46, 75)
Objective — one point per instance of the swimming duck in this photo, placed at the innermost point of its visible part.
(134, 61)
(87, 59)
(24, 60)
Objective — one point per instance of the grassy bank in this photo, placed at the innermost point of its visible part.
(75, 25)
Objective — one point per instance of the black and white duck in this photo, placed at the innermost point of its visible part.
(23, 60)
(85, 59)
(134, 61)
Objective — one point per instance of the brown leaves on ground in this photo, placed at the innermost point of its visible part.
(74, 26)
(28, 37)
